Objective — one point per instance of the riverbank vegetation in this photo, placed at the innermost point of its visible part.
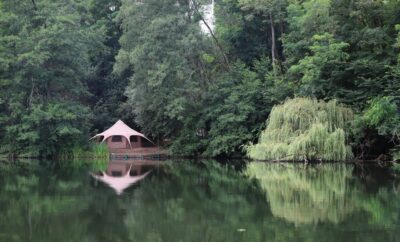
(94, 151)
(305, 129)
(71, 68)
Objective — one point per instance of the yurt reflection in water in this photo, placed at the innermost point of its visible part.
(120, 175)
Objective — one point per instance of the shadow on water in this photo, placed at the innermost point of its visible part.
(198, 201)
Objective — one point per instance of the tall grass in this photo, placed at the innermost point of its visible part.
(95, 156)
(100, 150)
(95, 151)
(304, 129)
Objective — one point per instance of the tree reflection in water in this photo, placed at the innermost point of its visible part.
(305, 195)
(315, 194)
(198, 201)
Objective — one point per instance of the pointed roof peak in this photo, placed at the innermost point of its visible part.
(120, 129)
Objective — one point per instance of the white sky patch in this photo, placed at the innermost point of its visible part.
(208, 14)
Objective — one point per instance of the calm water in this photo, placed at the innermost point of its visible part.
(202, 201)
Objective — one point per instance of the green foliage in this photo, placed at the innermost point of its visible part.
(396, 155)
(305, 19)
(238, 104)
(208, 58)
(327, 55)
(304, 129)
(383, 115)
(100, 150)
(377, 129)
(242, 37)
(45, 58)
(106, 88)
(70, 68)
(343, 50)
(51, 128)
(166, 56)
(232, 112)
(396, 166)
(95, 151)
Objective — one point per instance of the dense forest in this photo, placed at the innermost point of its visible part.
(71, 68)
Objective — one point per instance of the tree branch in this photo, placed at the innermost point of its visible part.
(212, 34)
(34, 5)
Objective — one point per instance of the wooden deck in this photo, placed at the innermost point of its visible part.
(138, 154)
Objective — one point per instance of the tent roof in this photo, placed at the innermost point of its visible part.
(120, 128)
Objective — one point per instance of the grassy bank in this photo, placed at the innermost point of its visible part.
(94, 151)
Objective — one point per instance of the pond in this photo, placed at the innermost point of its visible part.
(197, 201)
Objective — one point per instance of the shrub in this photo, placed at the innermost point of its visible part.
(377, 129)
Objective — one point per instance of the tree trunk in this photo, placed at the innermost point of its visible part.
(282, 30)
(29, 102)
(34, 5)
(273, 44)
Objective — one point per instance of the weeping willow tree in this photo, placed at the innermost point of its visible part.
(304, 129)
(306, 196)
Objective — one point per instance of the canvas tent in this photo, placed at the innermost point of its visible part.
(122, 136)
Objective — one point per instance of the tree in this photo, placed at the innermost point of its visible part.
(107, 89)
(273, 11)
(238, 104)
(316, 72)
(44, 56)
(165, 57)
(303, 129)
(377, 129)
(306, 19)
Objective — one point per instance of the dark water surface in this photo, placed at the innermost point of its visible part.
(198, 201)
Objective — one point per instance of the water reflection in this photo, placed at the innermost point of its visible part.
(306, 195)
(198, 201)
(119, 175)
(322, 193)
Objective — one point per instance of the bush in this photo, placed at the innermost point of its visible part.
(382, 114)
(377, 129)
